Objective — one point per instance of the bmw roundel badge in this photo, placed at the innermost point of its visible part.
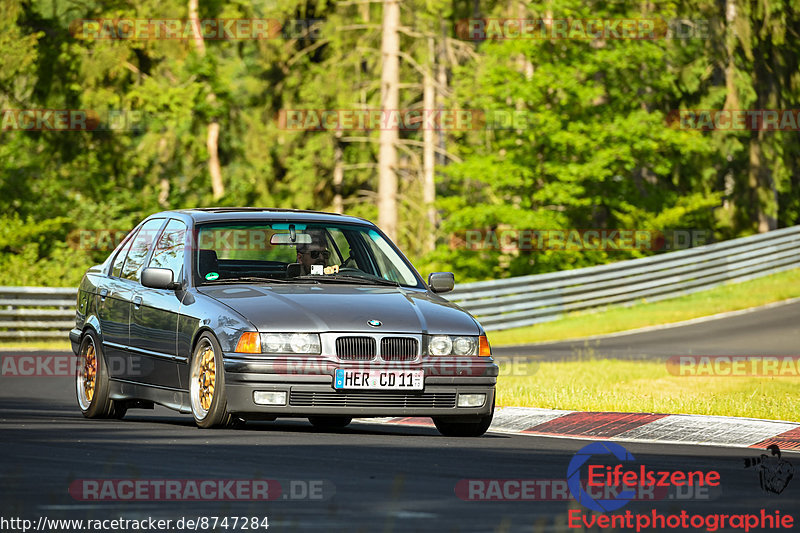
(374, 323)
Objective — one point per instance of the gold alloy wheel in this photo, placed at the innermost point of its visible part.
(207, 378)
(203, 378)
(86, 373)
(89, 372)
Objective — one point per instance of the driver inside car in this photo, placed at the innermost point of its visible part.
(315, 253)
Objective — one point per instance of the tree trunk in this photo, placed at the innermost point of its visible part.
(212, 136)
(338, 173)
(163, 192)
(441, 80)
(390, 93)
(762, 185)
(731, 96)
(212, 143)
(761, 178)
(428, 155)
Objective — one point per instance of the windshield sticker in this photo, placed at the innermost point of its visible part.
(211, 276)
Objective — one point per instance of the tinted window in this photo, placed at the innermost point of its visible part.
(392, 268)
(340, 243)
(230, 250)
(139, 248)
(120, 259)
(169, 250)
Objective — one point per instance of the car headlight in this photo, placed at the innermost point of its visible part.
(465, 345)
(452, 345)
(440, 345)
(290, 343)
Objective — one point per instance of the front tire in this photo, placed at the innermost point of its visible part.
(207, 384)
(92, 382)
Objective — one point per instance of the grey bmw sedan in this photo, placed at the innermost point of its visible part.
(235, 314)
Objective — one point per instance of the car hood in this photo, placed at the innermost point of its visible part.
(321, 308)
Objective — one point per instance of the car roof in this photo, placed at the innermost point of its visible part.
(211, 214)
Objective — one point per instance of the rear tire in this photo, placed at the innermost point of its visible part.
(92, 382)
(207, 385)
(448, 428)
(330, 422)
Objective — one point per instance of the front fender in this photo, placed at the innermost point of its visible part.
(199, 313)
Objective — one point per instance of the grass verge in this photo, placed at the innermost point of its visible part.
(51, 345)
(645, 386)
(730, 297)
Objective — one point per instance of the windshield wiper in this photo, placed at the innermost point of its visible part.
(346, 278)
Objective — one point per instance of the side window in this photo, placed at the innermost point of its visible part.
(341, 245)
(120, 259)
(169, 250)
(139, 248)
(383, 254)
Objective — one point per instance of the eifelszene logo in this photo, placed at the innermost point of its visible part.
(601, 475)
(574, 476)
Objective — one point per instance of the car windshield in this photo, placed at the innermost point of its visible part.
(298, 253)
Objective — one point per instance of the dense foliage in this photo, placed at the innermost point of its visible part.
(597, 148)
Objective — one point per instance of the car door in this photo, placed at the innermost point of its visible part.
(113, 312)
(127, 284)
(154, 313)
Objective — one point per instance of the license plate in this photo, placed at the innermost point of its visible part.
(378, 379)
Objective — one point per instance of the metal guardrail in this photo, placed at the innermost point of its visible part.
(527, 300)
(36, 312)
(43, 312)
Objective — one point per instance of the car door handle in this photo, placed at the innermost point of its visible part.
(137, 301)
(103, 294)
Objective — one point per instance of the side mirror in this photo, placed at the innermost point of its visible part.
(158, 278)
(441, 281)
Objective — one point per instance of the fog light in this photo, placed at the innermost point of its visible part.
(471, 400)
(269, 398)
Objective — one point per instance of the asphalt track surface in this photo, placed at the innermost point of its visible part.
(376, 477)
(773, 330)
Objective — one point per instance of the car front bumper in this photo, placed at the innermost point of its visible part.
(308, 384)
